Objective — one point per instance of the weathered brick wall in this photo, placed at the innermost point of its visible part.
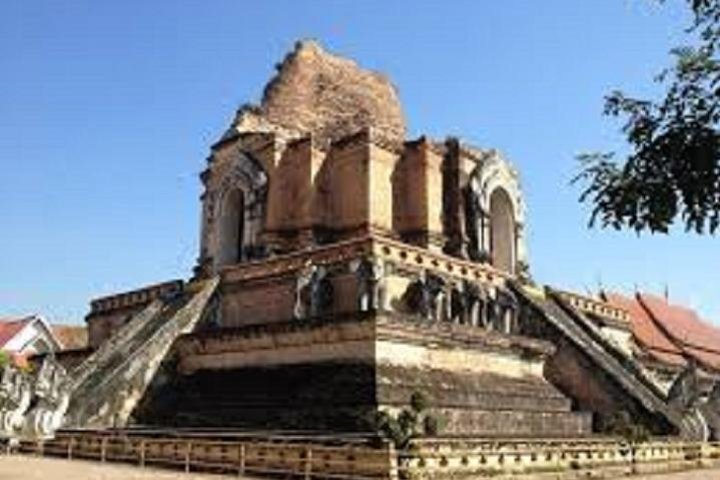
(331, 97)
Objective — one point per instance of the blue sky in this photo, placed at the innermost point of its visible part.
(107, 110)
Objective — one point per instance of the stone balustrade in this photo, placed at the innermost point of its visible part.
(594, 306)
(135, 297)
(418, 259)
(450, 459)
(401, 254)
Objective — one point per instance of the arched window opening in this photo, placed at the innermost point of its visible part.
(502, 231)
(232, 228)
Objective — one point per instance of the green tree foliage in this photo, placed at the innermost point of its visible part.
(4, 359)
(673, 168)
(622, 425)
(409, 423)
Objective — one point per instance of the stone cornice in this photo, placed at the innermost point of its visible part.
(392, 326)
(366, 137)
(356, 327)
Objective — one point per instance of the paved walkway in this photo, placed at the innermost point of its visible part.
(713, 474)
(32, 468)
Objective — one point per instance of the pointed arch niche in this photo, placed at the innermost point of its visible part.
(498, 218)
(231, 228)
(233, 214)
(502, 231)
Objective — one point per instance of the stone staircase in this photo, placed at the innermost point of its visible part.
(115, 343)
(600, 358)
(106, 387)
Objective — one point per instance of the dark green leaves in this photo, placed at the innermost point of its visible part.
(673, 168)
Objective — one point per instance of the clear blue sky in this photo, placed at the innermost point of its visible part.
(107, 110)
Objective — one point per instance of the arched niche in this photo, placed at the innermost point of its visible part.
(231, 228)
(233, 215)
(502, 231)
(495, 223)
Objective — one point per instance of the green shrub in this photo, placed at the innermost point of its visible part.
(5, 358)
(623, 425)
(409, 423)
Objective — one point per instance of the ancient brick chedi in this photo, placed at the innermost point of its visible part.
(376, 266)
(344, 268)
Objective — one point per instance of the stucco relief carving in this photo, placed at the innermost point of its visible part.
(370, 275)
(51, 397)
(15, 398)
(314, 293)
(468, 302)
(426, 297)
(464, 302)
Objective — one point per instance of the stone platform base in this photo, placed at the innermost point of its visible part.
(280, 377)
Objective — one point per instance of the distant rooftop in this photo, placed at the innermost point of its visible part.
(670, 333)
(647, 334)
(692, 334)
(9, 327)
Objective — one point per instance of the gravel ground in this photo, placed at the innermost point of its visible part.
(31, 468)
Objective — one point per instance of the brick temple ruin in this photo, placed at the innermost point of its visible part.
(343, 268)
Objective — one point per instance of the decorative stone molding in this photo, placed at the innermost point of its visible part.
(135, 298)
(226, 347)
(15, 398)
(398, 254)
(494, 174)
(561, 458)
(596, 307)
(51, 397)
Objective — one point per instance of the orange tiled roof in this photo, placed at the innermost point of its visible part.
(71, 337)
(696, 337)
(647, 334)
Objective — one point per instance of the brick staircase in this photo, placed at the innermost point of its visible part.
(109, 384)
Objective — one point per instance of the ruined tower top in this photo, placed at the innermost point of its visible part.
(330, 97)
(324, 159)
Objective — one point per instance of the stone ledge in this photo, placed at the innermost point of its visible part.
(369, 328)
(133, 298)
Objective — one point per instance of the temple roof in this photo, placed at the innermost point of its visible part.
(671, 334)
(646, 333)
(696, 337)
(71, 337)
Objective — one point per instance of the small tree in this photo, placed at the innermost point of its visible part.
(623, 425)
(412, 422)
(4, 359)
